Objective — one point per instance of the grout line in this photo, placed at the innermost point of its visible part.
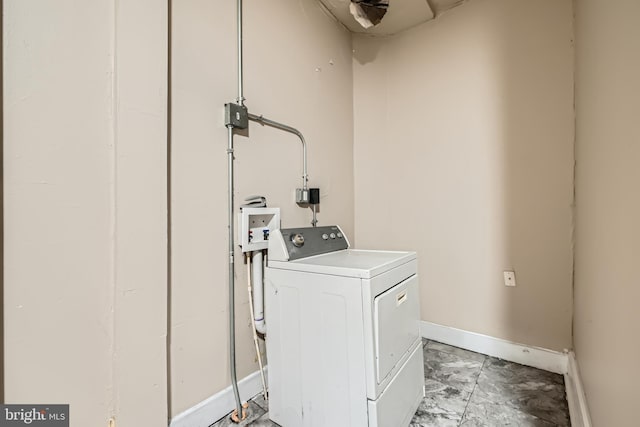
(475, 385)
(467, 405)
(486, 361)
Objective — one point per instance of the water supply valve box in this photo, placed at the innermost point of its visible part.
(254, 227)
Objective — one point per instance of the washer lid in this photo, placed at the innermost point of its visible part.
(364, 264)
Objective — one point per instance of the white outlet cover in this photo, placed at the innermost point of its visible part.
(509, 278)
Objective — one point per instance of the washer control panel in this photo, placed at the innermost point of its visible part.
(308, 241)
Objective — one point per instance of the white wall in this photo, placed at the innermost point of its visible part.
(297, 71)
(464, 153)
(85, 208)
(607, 282)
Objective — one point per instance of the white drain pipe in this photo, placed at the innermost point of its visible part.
(255, 326)
(258, 292)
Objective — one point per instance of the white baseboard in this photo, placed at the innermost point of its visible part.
(576, 397)
(541, 358)
(220, 404)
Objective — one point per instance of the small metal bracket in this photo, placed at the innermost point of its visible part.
(236, 116)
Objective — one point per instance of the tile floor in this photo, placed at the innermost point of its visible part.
(469, 389)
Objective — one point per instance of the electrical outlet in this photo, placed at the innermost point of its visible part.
(509, 278)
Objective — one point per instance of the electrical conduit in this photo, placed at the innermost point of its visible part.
(232, 311)
(264, 121)
(232, 324)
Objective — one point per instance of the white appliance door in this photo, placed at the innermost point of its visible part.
(399, 401)
(396, 324)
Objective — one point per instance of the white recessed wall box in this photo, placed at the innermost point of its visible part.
(254, 227)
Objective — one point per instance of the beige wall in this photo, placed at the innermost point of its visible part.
(297, 71)
(85, 208)
(140, 208)
(464, 153)
(607, 282)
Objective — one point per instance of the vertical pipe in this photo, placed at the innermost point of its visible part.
(232, 323)
(240, 99)
(169, 211)
(232, 314)
(314, 221)
(258, 292)
(255, 328)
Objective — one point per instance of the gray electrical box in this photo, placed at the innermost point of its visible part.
(302, 195)
(236, 116)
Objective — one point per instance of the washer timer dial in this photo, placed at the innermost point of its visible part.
(297, 240)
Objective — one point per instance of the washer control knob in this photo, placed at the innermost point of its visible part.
(297, 240)
(339, 235)
(332, 235)
(325, 236)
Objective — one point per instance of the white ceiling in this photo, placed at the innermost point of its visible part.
(402, 14)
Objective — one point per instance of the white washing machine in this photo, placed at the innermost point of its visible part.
(343, 339)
